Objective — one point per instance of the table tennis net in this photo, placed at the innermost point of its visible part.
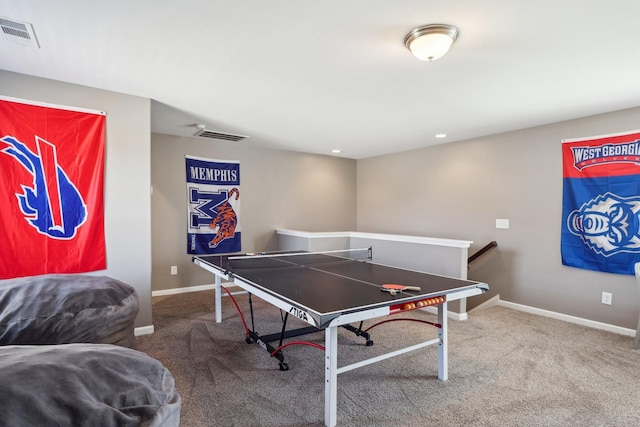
(296, 258)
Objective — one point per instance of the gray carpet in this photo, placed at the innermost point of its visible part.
(506, 368)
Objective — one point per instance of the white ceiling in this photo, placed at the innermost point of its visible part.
(316, 75)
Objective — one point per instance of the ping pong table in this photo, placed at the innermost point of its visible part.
(329, 290)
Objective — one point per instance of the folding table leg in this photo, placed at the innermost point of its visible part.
(443, 361)
(331, 376)
(218, 299)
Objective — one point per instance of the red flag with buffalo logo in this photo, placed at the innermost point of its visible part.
(51, 189)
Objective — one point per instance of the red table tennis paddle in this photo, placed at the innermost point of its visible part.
(393, 288)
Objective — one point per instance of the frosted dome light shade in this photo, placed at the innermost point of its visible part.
(431, 42)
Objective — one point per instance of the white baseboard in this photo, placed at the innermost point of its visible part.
(450, 314)
(456, 316)
(488, 303)
(143, 330)
(559, 316)
(184, 290)
(146, 330)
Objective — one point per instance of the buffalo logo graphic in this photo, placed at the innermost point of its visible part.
(52, 205)
(225, 220)
(608, 224)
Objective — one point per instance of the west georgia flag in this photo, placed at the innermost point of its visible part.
(51, 189)
(601, 203)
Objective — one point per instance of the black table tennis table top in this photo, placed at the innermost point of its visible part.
(320, 284)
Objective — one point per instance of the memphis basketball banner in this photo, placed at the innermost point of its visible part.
(601, 203)
(51, 189)
(213, 199)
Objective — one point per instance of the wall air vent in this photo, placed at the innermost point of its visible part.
(18, 32)
(204, 133)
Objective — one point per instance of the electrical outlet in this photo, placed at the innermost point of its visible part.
(502, 223)
(174, 270)
(606, 298)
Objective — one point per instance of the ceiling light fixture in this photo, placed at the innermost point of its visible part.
(431, 42)
(440, 135)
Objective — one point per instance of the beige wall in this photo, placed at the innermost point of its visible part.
(127, 174)
(453, 190)
(279, 189)
(458, 190)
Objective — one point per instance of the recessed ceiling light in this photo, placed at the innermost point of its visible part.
(441, 135)
(336, 151)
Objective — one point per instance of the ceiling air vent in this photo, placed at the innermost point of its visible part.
(204, 133)
(18, 32)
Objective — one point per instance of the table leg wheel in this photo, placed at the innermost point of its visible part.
(369, 343)
(248, 340)
(284, 366)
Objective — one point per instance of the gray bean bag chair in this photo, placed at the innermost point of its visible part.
(85, 385)
(60, 309)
